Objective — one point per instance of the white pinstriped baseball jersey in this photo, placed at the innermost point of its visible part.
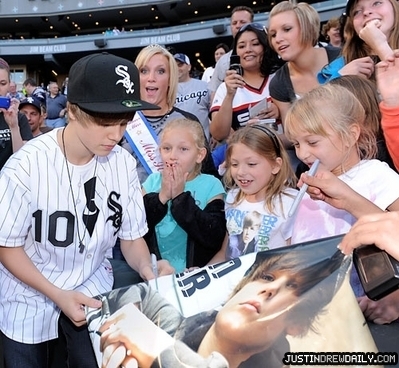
(37, 211)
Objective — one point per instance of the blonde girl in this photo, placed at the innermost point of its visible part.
(184, 207)
(293, 33)
(329, 124)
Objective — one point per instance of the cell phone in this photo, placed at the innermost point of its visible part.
(378, 271)
(235, 64)
(256, 109)
(270, 123)
(4, 102)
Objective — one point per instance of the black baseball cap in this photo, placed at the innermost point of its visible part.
(105, 83)
(31, 100)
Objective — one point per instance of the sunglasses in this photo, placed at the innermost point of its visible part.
(251, 26)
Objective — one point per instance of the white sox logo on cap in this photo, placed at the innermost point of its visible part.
(105, 83)
(121, 70)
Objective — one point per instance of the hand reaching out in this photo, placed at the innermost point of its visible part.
(114, 355)
(385, 310)
(381, 229)
(327, 187)
(387, 75)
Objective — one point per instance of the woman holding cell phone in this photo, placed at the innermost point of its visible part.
(241, 91)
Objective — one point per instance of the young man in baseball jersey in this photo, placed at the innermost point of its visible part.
(66, 197)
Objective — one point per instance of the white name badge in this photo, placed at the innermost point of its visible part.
(144, 143)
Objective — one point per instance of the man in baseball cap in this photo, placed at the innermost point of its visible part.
(34, 110)
(69, 195)
(183, 58)
(32, 101)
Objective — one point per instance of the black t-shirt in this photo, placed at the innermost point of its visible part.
(281, 87)
(5, 136)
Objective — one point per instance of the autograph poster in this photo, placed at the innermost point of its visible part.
(248, 312)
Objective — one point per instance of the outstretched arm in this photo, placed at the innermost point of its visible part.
(325, 186)
(128, 334)
(381, 229)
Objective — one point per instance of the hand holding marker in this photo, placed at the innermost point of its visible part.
(303, 189)
(154, 264)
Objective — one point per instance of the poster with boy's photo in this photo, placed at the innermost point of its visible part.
(247, 312)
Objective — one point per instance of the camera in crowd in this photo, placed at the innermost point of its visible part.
(4, 102)
(378, 271)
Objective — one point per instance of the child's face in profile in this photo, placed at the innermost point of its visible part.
(251, 171)
(334, 155)
(257, 314)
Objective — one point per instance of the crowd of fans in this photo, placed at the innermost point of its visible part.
(217, 163)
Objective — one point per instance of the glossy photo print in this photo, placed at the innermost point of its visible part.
(257, 310)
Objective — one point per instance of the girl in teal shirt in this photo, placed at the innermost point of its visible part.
(185, 209)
